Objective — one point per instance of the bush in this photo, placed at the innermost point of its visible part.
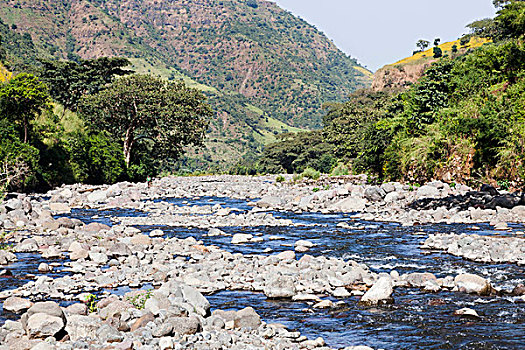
(311, 173)
(96, 158)
(18, 160)
(340, 169)
(280, 179)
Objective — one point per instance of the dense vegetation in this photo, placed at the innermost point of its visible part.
(126, 127)
(464, 120)
(263, 70)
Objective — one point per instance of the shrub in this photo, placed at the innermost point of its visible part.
(311, 173)
(280, 178)
(340, 169)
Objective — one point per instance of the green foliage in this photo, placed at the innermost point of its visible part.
(95, 158)
(139, 300)
(69, 81)
(340, 169)
(168, 114)
(295, 152)
(437, 52)
(18, 160)
(311, 173)
(22, 99)
(91, 300)
(280, 179)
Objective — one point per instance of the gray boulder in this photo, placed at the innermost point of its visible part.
(374, 193)
(472, 284)
(380, 293)
(280, 287)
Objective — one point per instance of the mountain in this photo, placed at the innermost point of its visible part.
(265, 71)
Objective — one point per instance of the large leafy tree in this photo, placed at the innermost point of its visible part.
(68, 81)
(140, 107)
(22, 99)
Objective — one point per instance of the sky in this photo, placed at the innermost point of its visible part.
(380, 32)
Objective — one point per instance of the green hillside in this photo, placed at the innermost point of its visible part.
(257, 63)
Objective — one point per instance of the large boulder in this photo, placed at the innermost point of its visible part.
(350, 205)
(270, 202)
(380, 293)
(27, 245)
(17, 305)
(79, 326)
(185, 325)
(472, 284)
(97, 196)
(240, 238)
(6, 257)
(280, 287)
(374, 193)
(44, 319)
(427, 192)
(247, 318)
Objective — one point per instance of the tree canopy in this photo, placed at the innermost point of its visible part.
(69, 81)
(23, 98)
(140, 107)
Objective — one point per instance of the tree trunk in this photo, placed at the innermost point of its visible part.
(26, 136)
(128, 144)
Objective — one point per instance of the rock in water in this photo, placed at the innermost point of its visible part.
(380, 293)
(472, 284)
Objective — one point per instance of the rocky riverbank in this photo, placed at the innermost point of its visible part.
(98, 260)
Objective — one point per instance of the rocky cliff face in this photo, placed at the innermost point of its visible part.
(398, 76)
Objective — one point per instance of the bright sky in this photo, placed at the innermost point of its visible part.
(379, 32)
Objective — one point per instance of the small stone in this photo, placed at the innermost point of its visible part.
(466, 312)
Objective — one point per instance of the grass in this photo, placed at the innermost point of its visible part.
(143, 66)
(445, 47)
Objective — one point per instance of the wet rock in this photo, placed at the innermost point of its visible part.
(17, 305)
(380, 293)
(466, 312)
(519, 290)
(472, 284)
(27, 245)
(6, 257)
(419, 279)
(43, 267)
(241, 238)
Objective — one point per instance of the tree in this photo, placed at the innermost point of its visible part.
(68, 81)
(437, 41)
(140, 107)
(422, 44)
(23, 98)
(437, 52)
(510, 21)
(454, 48)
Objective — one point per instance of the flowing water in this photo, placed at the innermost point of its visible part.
(417, 319)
